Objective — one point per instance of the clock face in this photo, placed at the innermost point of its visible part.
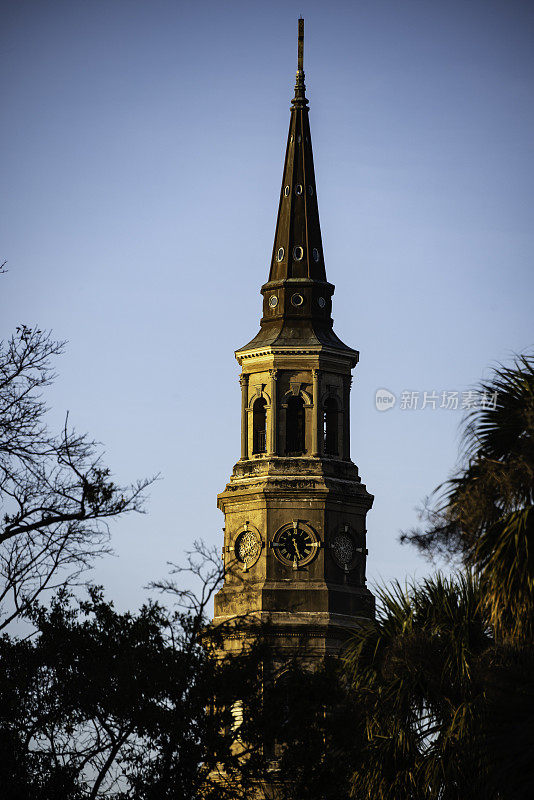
(295, 544)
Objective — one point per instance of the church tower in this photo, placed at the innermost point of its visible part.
(295, 507)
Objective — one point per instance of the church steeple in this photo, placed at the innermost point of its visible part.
(295, 507)
(297, 299)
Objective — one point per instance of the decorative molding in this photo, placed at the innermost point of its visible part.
(281, 483)
(319, 349)
(258, 392)
(298, 389)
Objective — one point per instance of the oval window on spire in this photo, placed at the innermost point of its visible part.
(280, 254)
(298, 189)
(286, 191)
(315, 254)
(310, 190)
(298, 253)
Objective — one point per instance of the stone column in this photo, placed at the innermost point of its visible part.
(243, 380)
(316, 424)
(347, 383)
(273, 443)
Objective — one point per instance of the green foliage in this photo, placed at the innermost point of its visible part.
(418, 672)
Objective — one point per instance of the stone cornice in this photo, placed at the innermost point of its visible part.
(347, 357)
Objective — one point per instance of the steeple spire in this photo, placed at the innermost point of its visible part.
(297, 299)
(297, 251)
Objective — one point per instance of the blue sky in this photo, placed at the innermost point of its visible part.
(142, 152)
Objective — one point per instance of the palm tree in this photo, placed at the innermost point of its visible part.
(419, 673)
(486, 512)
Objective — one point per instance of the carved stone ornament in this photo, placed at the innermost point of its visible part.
(296, 387)
(344, 549)
(247, 547)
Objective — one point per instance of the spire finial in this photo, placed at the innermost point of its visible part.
(299, 101)
(300, 64)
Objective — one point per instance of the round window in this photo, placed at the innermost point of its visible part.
(321, 302)
(280, 253)
(315, 254)
(297, 300)
(298, 189)
(310, 190)
(273, 301)
(298, 253)
(286, 191)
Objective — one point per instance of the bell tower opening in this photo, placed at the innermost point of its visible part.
(330, 427)
(259, 426)
(295, 426)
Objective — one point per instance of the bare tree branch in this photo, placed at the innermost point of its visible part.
(56, 493)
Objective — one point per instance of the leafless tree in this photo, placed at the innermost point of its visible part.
(56, 494)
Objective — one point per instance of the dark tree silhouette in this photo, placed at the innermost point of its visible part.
(102, 704)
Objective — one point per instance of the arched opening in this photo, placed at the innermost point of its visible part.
(259, 426)
(330, 425)
(295, 432)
